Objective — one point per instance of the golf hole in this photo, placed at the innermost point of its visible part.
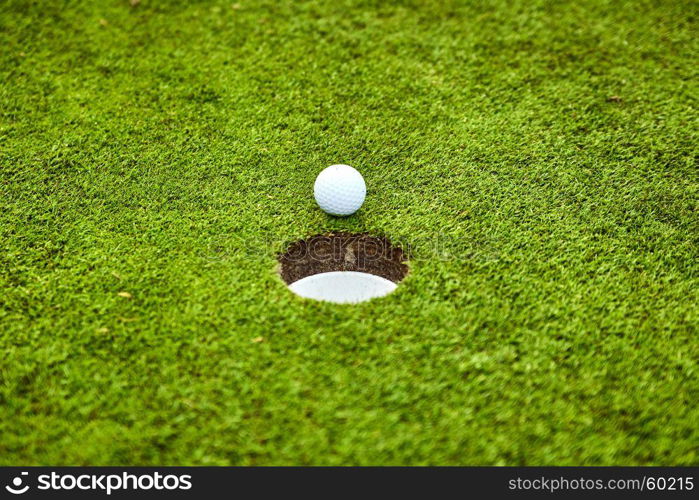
(343, 268)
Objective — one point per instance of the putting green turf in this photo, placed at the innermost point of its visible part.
(538, 157)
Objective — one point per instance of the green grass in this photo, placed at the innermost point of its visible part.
(538, 157)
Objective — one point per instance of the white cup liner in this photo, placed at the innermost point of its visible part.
(342, 287)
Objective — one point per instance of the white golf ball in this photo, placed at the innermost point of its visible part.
(339, 190)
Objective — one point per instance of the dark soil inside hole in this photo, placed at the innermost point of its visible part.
(324, 253)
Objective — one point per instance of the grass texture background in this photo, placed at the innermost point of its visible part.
(539, 159)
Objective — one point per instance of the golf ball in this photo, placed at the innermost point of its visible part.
(339, 190)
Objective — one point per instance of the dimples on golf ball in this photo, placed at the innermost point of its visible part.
(339, 190)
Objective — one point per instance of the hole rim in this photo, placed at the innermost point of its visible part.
(328, 252)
